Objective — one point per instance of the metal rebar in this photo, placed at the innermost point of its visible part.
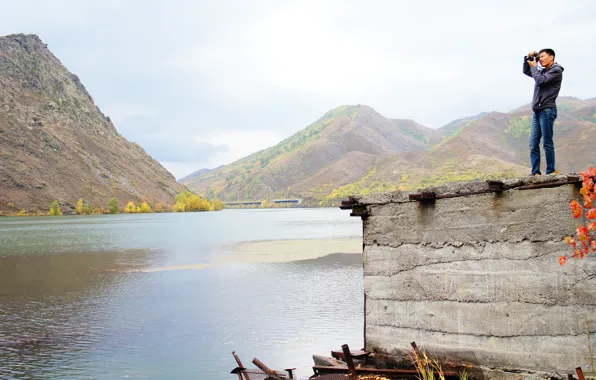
(348, 359)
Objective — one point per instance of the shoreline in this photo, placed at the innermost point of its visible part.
(279, 251)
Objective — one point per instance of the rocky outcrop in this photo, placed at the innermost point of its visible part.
(56, 143)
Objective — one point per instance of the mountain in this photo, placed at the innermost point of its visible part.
(455, 125)
(198, 173)
(337, 149)
(355, 150)
(55, 142)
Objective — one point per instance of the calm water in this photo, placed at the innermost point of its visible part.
(72, 308)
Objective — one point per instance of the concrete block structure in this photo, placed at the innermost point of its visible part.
(470, 272)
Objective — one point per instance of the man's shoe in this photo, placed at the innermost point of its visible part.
(554, 173)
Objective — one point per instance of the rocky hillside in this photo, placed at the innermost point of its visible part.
(353, 149)
(337, 149)
(55, 143)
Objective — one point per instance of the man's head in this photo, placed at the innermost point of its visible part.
(547, 57)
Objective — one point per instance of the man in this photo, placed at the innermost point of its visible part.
(547, 76)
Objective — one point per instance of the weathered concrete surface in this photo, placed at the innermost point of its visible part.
(476, 279)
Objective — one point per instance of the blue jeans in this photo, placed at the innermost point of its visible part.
(543, 127)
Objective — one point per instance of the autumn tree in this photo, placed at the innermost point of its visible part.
(130, 208)
(113, 206)
(55, 209)
(585, 235)
(145, 208)
(80, 206)
(218, 205)
(188, 201)
(88, 209)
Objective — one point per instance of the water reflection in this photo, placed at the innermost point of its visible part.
(53, 309)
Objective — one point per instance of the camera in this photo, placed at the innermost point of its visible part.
(533, 57)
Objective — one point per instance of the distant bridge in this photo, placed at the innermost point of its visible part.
(274, 202)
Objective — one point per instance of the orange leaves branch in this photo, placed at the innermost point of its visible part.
(584, 240)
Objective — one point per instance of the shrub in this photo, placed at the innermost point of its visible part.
(88, 208)
(55, 209)
(144, 208)
(519, 126)
(130, 208)
(113, 206)
(80, 206)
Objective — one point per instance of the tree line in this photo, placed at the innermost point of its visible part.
(185, 202)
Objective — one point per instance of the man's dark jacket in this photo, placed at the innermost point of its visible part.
(547, 84)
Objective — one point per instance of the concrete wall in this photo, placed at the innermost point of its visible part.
(477, 278)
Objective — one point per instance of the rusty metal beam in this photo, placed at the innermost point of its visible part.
(263, 367)
(574, 179)
(456, 195)
(401, 373)
(425, 195)
(348, 359)
(243, 371)
(496, 186)
(543, 185)
(361, 211)
(290, 372)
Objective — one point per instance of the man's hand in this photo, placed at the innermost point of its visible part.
(533, 62)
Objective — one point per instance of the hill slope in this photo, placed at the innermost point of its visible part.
(57, 144)
(346, 140)
(353, 149)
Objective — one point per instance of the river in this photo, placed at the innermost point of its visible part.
(170, 296)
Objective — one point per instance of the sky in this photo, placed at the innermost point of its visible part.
(202, 83)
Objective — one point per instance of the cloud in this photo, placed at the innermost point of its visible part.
(206, 71)
(168, 148)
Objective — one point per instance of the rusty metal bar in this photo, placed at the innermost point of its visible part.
(415, 347)
(497, 186)
(346, 205)
(542, 185)
(402, 373)
(241, 366)
(360, 211)
(580, 373)
(574, 179)
(453, 195)
(263, 367)
(290, 372)
(425, 195)
(348, 359)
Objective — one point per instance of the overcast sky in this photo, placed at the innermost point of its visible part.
(202, 83)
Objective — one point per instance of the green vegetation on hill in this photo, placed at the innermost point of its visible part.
(445, 174)
(519, 127)
(415, 134)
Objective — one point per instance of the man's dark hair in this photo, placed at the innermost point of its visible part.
(548, 51)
